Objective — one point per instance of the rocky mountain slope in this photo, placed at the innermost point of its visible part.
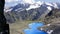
(36, 11)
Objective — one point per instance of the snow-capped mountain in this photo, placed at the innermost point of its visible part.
(27, 11)
(35, 5)
(29, 6)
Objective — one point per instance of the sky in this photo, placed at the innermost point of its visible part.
(14, 2)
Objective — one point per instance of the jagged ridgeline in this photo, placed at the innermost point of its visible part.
(41, 12)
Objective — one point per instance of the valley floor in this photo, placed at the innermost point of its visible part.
(18, 27)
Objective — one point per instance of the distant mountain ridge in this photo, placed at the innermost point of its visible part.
(30, 11)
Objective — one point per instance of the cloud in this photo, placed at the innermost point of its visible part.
(9, 3)
(11, 0)
(26, 1)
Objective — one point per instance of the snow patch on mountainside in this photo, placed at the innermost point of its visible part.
(46, 4)
(49, 8)
(55, 5)
(33, 7)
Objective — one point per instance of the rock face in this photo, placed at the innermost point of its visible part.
(53, 16)
(53, 20)
(56, 31)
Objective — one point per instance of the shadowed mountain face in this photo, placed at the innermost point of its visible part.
(19, 12)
